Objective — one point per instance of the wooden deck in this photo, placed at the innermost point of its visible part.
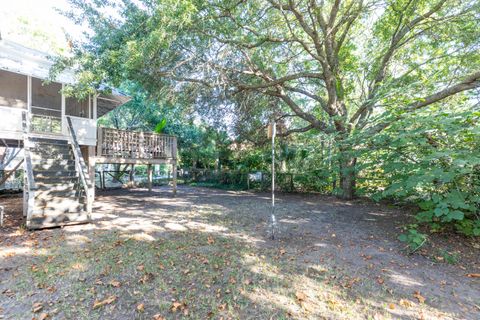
(135, 147)
(132, 147)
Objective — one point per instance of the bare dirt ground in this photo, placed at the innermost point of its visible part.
(204, 254)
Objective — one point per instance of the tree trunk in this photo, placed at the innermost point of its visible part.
(348, 177)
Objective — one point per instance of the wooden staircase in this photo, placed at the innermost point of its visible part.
(57, 190)
(59, 198)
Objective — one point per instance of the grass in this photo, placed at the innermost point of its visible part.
(199, 259)
(187, 274)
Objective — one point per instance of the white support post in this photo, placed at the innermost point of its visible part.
(174, 176)
(95, 107)
(150, 177)
(25, 197)
(131, 180)
(89, 113)
(29, 101)
(26, 130)
(64, 122)
(91, 173)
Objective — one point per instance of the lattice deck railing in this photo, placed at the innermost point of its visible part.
(115, 143)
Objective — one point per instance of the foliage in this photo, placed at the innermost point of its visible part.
(413, 238)
(160, 126)
(371, 98)
(433, 160)
(346, 69)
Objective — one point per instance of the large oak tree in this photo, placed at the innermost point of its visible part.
(345, 68)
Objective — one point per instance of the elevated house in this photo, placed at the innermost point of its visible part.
(61, 140)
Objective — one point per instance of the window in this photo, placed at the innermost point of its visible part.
(13, 90)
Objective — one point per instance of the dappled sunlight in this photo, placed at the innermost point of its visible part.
(142, 236)
(404, 280)
(379, 214)
(11, 251)
(205, 227)
(259, 265)
(210, 250)
(76, 239)
(175, 227)
(273, 301)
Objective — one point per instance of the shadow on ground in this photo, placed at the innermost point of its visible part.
(205, 254)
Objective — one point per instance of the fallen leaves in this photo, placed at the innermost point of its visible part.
(43, 316)
(158, 317)
(147, 277)
(473, 275)
(115, 283)
(141, 307)
(406, 303)
(98, 304)
(179, 306)
(419, 297)
(210, 240)
(301, 297)
(37, 307)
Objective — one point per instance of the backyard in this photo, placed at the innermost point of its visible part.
(205, 254)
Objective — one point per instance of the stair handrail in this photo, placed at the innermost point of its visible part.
(80, 165)
(29, 192)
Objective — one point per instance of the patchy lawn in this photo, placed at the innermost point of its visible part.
(204, 254)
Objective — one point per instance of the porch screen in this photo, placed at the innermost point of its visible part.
(46, 98)
(13, 90)
(77, 108)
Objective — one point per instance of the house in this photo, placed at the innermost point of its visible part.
(61, 140)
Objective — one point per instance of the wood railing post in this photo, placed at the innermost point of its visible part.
(142, 145)
(99, 141)
(174, 148)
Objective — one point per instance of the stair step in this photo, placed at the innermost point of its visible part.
(53, 167)
(47, 150)
(48, 141)
(50, 161)
(59, 219)
(47, 174)
(57, 205)
(55, 186)
(41, 180)
(50, 194)
(37, 157)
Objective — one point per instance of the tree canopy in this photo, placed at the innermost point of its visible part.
(372, 79)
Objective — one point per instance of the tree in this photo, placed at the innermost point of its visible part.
(343, 68)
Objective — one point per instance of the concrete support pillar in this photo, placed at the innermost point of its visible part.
(150, 176)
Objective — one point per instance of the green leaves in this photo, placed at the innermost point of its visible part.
(413, 238)
(160, 126)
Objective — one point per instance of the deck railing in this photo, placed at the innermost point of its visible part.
(115, 143)
(81, 167)
(45, 124)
